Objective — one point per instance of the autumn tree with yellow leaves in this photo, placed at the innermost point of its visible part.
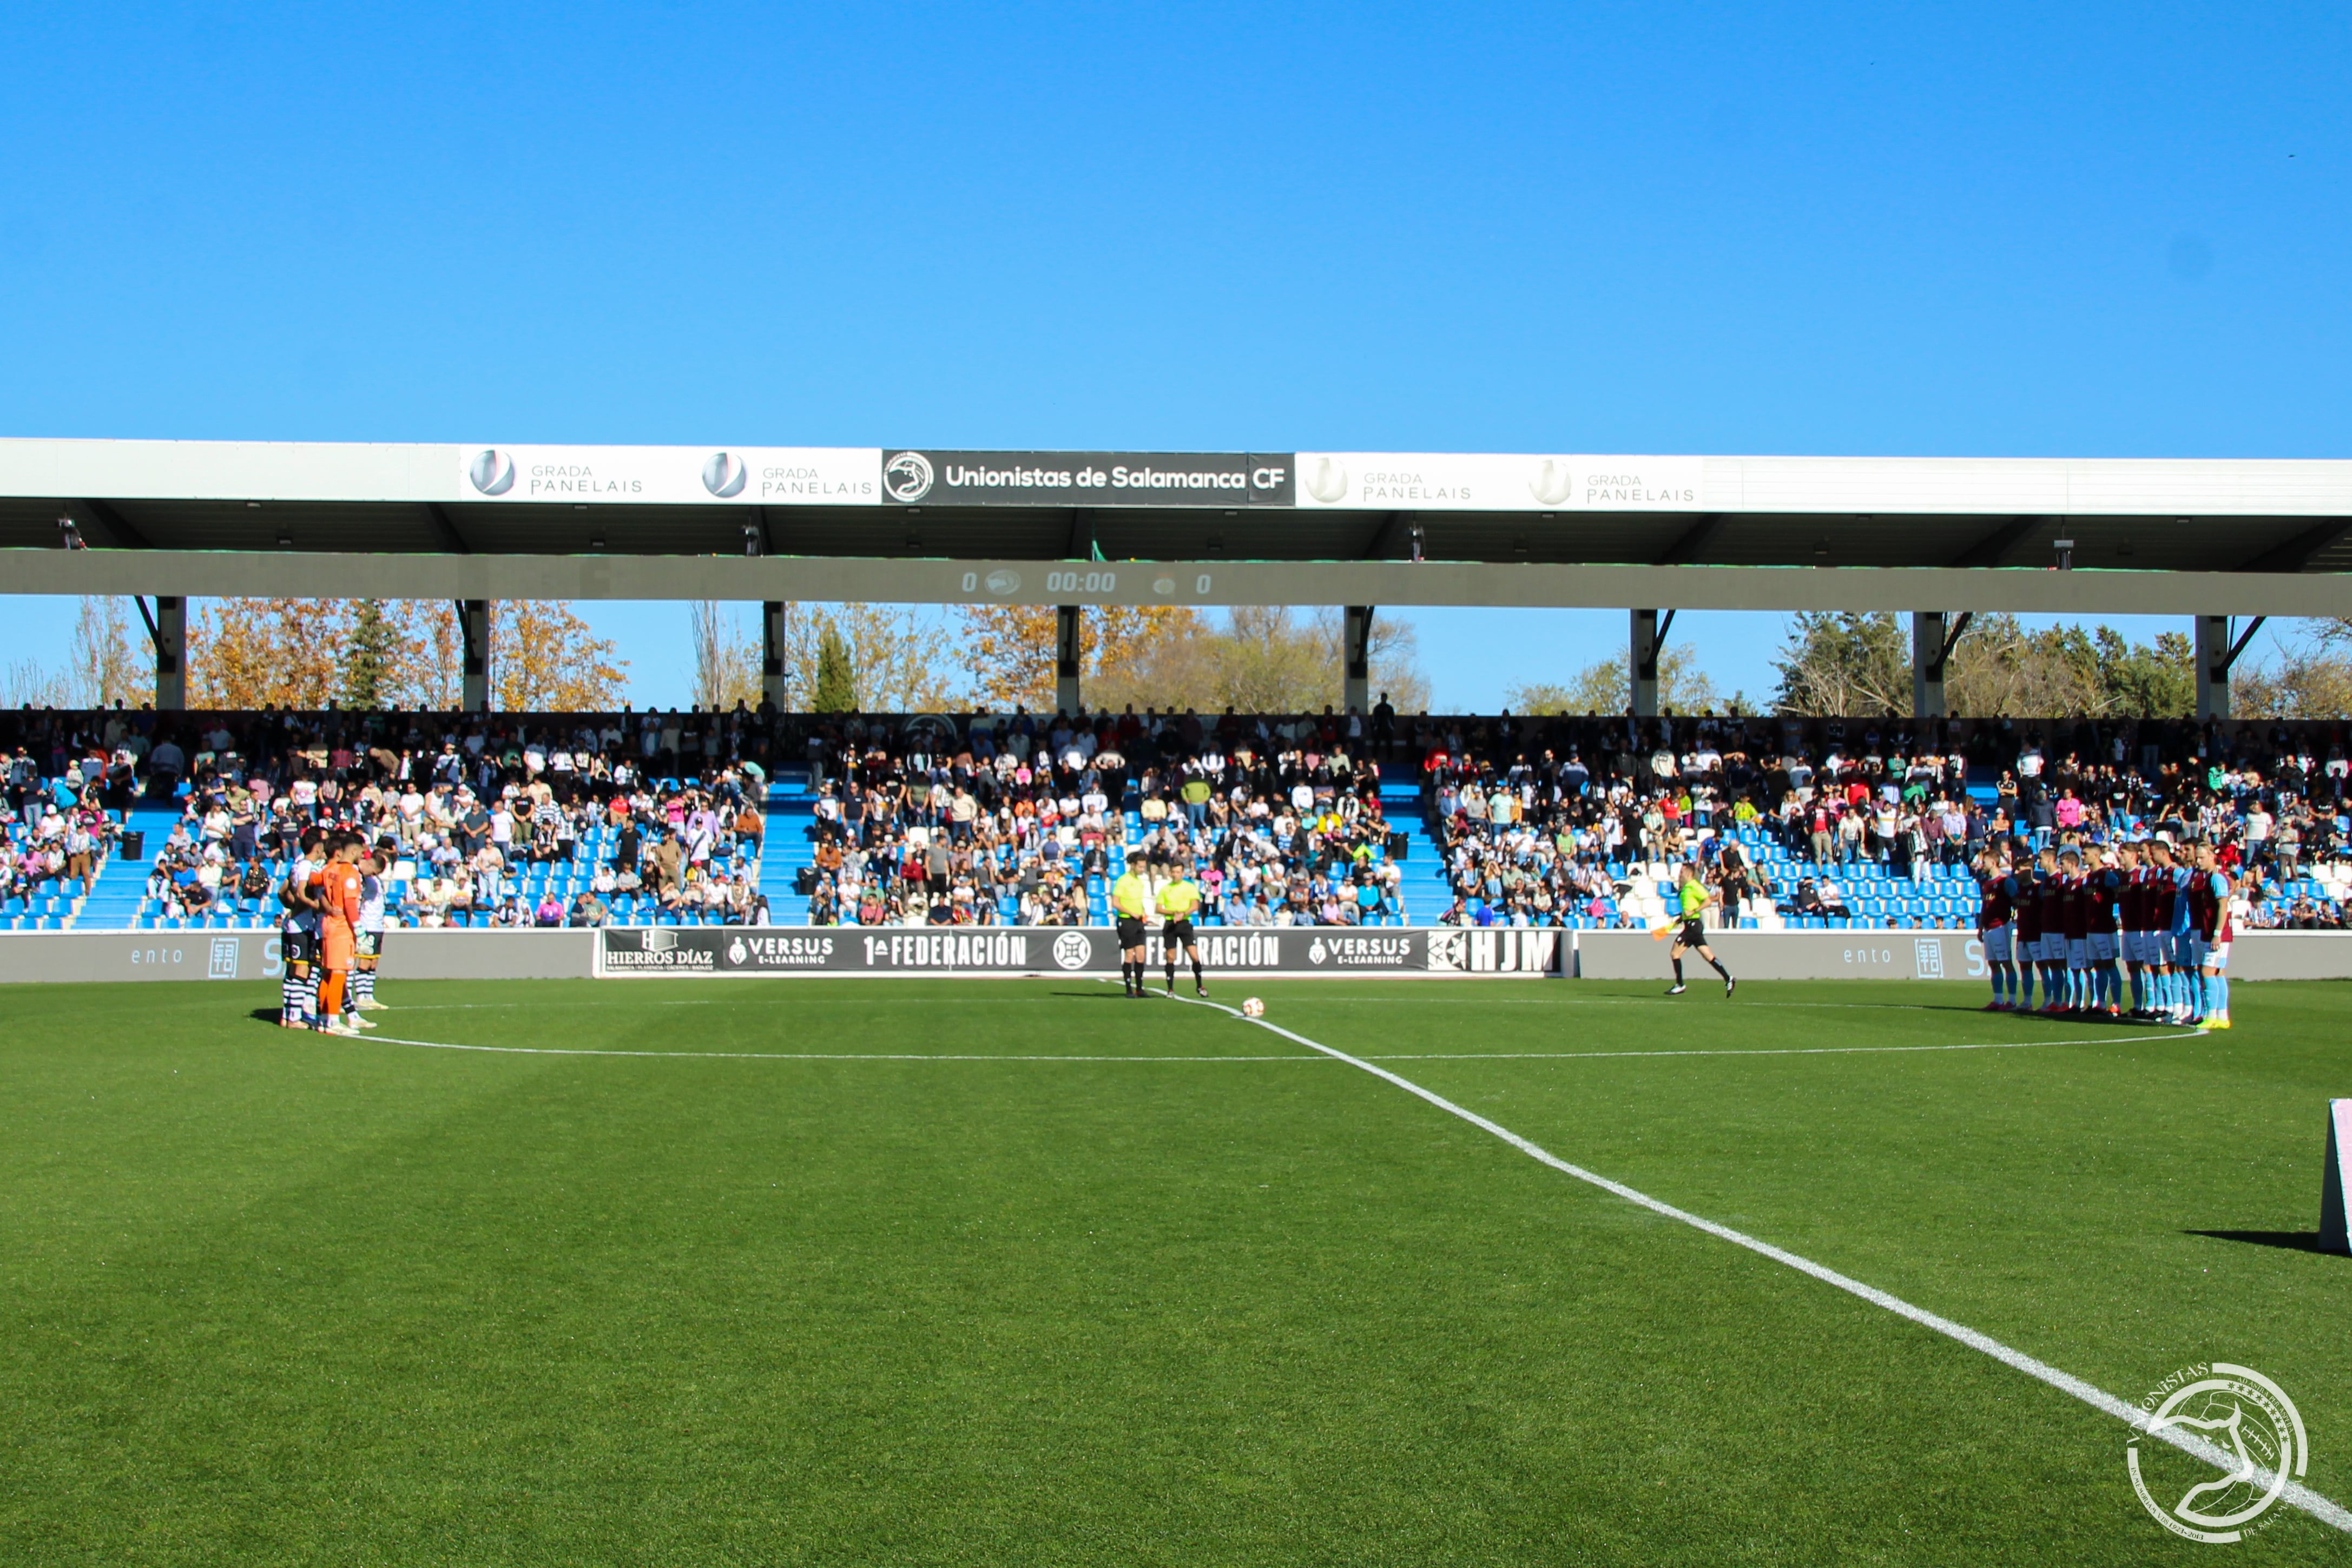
(307, 654)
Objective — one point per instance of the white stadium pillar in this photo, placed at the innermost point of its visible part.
(474, 631)
(1065, 658)
(1356, 659)
(1931, 647)
(1649, 635)
(171, 653)
(2213, 660)
(772, 654)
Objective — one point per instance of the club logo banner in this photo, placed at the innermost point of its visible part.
(932, 477)
(1066, 950)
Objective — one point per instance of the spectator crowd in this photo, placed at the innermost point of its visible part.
(512, 820)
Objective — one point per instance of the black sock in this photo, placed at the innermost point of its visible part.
(1196, 973)
(1171, 974)
(1716, 964)
(1678, 972)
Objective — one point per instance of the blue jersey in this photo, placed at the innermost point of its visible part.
(2178, 924)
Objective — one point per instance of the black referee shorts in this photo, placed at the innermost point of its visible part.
(1131, 931)
(1693, 934)
(1178, 933)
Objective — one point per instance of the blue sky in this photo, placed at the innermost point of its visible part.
(2088, 230)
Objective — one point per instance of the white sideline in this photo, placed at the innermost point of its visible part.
(2323, 1509)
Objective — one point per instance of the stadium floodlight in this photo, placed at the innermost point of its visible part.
(2065, 549)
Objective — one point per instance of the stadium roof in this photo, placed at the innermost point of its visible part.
(398, 520)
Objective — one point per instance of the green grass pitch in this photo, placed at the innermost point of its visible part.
(1030, 1273)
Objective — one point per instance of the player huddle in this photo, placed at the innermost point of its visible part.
(2155, 922)
(332, 933)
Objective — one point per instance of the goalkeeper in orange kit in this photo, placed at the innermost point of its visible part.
(340, 901)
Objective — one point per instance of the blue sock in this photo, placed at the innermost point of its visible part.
(2138, 987)
(2221, 994)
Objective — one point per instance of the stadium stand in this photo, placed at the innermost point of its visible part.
(128, 820)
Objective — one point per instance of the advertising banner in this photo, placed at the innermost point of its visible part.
(932, 477)
(1067, 950)
(672, 476)
(1458, 482)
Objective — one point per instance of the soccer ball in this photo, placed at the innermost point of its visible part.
(1253, 1008)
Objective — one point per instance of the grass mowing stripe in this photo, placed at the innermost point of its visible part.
(2326, 1509)
(1781, 1051)
(801, 1055)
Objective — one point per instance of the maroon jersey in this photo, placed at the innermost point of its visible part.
(2028, 904)
(2053, 905)
(2208, 913)
(1993, 902)
(2107, 886)
(2075, 898)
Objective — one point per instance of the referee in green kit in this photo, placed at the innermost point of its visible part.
(1130, 901)
(1694, 896)
(1178, 899)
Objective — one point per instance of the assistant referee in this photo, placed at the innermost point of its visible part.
(1130, 901)
(1178, 899)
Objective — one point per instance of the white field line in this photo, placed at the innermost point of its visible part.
(2323, 1509)
(799, 1056)
(1426, 1057)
